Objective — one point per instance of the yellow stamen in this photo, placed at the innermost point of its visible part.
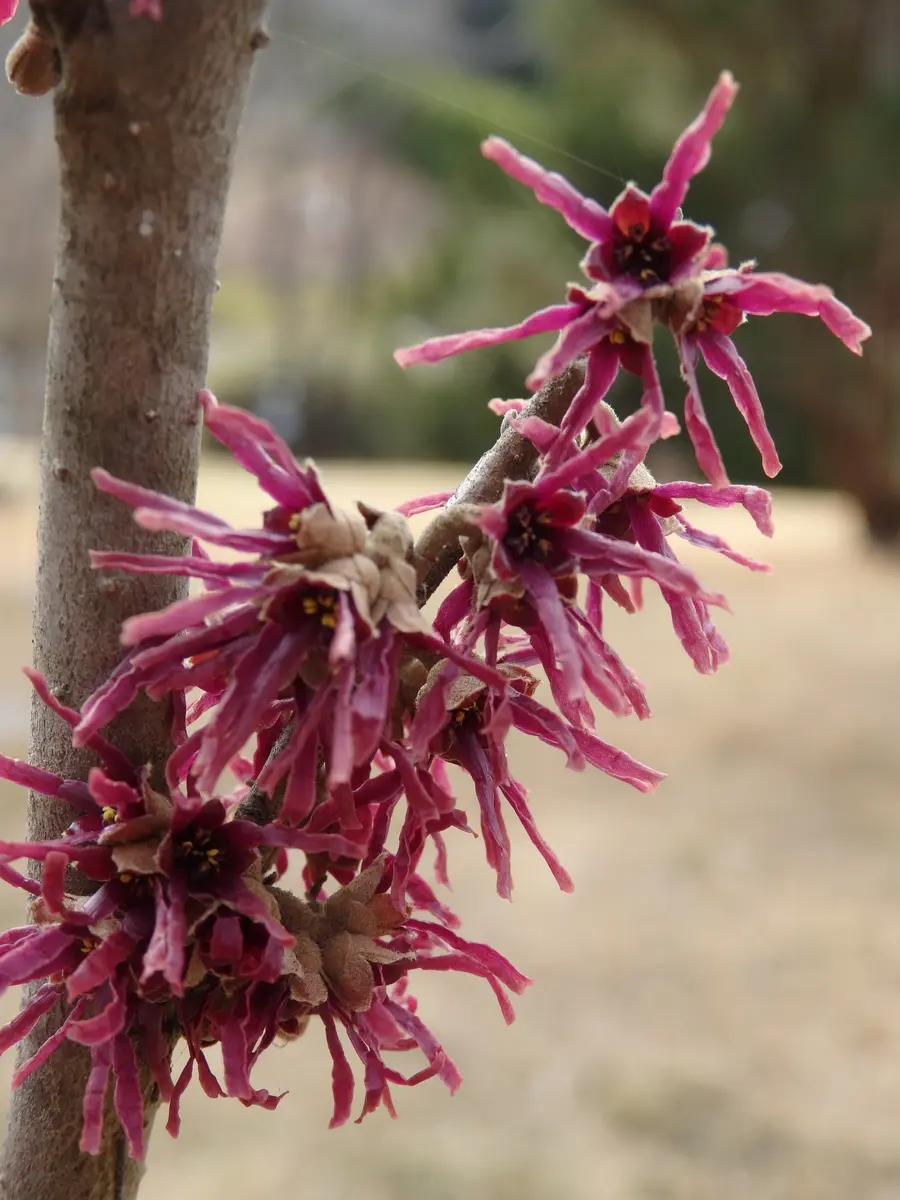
(109, 815)
(126, 877)
(617, 337)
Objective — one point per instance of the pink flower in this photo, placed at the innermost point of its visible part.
(316, 621)
(647, 266)
(525, 560)
(348, 968)
(624, 501)
(460, 720)
(728, 297)
(180, 906)
(8, 10)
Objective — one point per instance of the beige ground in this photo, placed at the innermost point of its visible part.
(716, 1011)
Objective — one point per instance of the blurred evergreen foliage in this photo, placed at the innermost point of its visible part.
(804, 177)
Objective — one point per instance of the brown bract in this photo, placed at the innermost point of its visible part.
(676, 307)
(32, 65)
(135, 843)
(368, 556)
(335, 941)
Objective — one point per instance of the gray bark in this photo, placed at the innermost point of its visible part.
(146, 121)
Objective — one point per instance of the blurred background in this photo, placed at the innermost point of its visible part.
(716, 1011)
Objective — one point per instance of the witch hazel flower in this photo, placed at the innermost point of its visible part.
(348, 968)
(650, 515)
(459, 721)
(625, 501)
(383, 1017)
(646, 265)
(317, 619)
(525, 560)
(179, 904)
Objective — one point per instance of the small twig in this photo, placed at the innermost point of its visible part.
(258, 806)
(511, 457)
(437, 551)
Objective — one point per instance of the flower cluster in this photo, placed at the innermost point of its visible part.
(303, 666)
(186, 933)
(646, 265)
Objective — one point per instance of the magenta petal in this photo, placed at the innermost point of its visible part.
(491, 959)
(34, 778)
(444, 1067)
(173, 1124)
(542, 592)
(43, 1000)
(756, 501)
(185, 613)
(154, 1043)
(258, 449)
(518, 802)
(585, 331)
(585, 216)
(7, 10)
(235, 1060)
(99, 965)
(691, 152)
(723, 360)
(187, 564)
(106, 1024)
(341, 1073)
(557, 316)
(94, 1098)
(422, 504)
(616, 763)
(165, 951)
(709, 457)
(53, 1042)
(633, 435)
(114, 761)
(128, 1101)
(711, 541)
(770, 292)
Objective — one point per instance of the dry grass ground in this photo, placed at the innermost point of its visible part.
(716, 1011)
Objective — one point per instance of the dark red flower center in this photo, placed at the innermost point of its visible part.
(305, 605)
(643, 255)
(468, 717)
(528, 534)
(198, 855)
(322, 606)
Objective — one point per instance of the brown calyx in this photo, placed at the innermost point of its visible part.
(336, 947)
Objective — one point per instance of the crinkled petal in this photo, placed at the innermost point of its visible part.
(556, 317)
(764, 293)
(691, 152)
(128, 1101)
(755, 500)
(709, 456)
(585, 216)
(722, 358)
(585, 331)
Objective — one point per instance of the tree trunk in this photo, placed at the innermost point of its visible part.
(146, 120)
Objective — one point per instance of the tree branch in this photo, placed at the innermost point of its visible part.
(146, 121)
(512, 456)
